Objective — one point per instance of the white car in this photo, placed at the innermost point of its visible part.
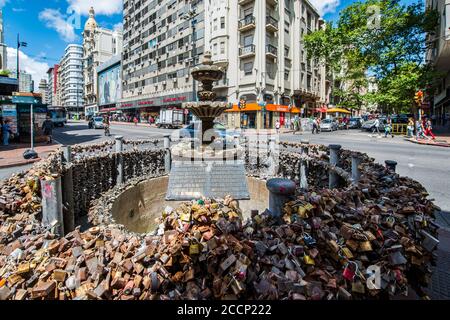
(98, 123)
(328, 125)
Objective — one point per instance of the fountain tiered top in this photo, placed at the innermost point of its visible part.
(206, 109)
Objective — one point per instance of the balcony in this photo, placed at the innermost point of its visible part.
(272, 2)
(221, 84)
(244, 2)
(271, 51)
(271, 24)
(247, 51)
(247, 23)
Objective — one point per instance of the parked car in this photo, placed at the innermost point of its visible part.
(355, 123)
(328, 125)
(369, 125)
(98, 123)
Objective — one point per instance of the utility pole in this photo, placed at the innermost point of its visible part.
(190, 16)
(19, 44)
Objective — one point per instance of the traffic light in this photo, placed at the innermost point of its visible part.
(418, 98)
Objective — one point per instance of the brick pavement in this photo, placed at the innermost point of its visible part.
(12, 155)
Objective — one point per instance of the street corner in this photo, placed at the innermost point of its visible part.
(13, 155)
(438, 142)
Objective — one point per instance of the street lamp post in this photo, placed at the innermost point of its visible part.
(190, 16)
(19, 44)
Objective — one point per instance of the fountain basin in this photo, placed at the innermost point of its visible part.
(137, 207)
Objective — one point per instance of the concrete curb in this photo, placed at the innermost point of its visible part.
(442, 145)
(19, 163)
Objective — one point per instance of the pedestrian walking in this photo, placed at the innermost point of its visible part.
(388, 128)
(345, 121)
(315, 126)
(6, 132)
(420, 131)
(277, 126)
(47, 127)
(429, 129)
(410, 127)
(376, 126)
(135, 120)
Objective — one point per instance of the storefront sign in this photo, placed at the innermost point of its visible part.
(157, 102)
(9, 112)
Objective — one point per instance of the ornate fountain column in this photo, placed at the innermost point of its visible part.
(206, 109)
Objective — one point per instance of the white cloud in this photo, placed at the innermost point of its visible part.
(105, 7)
(54, 19)
(18, 9)
(118, 27)
(2, 3)
(38, 70)
(325, 6)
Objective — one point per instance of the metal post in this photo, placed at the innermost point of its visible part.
(236, 146)
(67, 154)
(119, 149)
(391, 165)
(303, 166)
(52, 207)
(279, 192)
(334, 161)
(32, 127)
(167, 158)
(273, 167)
(67, 191)
(356, 173)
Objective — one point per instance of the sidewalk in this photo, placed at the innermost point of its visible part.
(12, 155)
(440, 281)
(441, 141)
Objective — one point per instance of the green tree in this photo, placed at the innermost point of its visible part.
(381, 38)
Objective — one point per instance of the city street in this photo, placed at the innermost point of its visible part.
(426, 164)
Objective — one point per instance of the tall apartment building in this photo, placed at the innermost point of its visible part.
(157, 57)
(26, 83)
(438, 55)
(99, 45)
(52, 86)
(257, 43)
(3, 52)
(42, 89)
(71, 80)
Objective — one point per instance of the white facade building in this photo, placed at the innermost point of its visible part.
(3, 52)
(42, 89)
(257, 43)
(71, 80)
(439, 56)
(99, 45)
(26, 83)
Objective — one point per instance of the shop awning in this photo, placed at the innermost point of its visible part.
(338, 110)
(268, 107)
(108, 110)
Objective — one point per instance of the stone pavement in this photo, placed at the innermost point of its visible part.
(12, 155)
(440, 281)
(439, 142)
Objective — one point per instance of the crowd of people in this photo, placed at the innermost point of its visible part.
(424, 129)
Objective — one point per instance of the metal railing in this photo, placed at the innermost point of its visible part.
(247, 21)
(247, 50)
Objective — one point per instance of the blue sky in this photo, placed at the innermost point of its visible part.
(49, 25)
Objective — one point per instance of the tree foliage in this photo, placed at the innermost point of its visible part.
(380, 38)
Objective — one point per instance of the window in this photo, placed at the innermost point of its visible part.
(215, 49)
(248, 40)
(222, 48)
(215, 24)
(248, 68)
(222, 23)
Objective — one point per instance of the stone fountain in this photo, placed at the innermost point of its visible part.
(211, 169)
